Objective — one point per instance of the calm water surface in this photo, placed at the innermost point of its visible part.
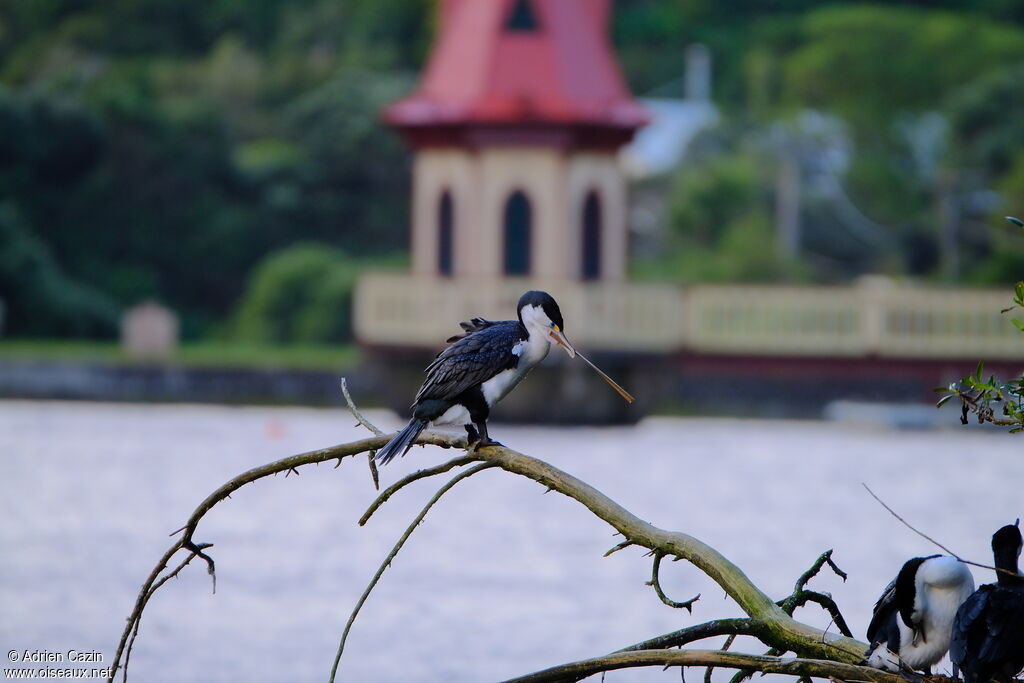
(499, 580)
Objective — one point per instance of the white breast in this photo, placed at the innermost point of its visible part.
(498, 386)
(943, 583)
(530, 351)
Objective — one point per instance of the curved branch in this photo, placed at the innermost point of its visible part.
(656, 584)
(394, 551)
(410, 478)
(355, 411)
(709, 629)
(793, 666)
(826, 602)
(801, 595)
(153, 582)
(774, 626)
(782, 630)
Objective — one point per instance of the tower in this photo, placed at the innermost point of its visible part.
(515, 128)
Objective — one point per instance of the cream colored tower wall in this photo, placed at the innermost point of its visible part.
(434, 172)
(539, 172)
(481, 182)
(601, 173)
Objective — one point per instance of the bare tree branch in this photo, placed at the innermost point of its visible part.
(725, 648)
(656, 584)
(932, 540)
(709, 629)
(783, 632)
(224, 491)
(394, 551)
(355, 411)
(792, 666)
(801, 596)
(415, 476)
(766, 620)
(617, 548)
(169, 575)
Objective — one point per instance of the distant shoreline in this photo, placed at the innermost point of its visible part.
(47, 379)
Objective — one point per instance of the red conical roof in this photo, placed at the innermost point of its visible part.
(521, 63)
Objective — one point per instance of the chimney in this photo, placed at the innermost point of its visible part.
(698, 73)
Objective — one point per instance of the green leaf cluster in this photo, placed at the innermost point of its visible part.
(301, 294)
(992, 400)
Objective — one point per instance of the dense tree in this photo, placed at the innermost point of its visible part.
(163, 149)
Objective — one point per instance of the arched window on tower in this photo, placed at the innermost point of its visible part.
(522, 18)
(518, 220)
(591, 251)
(445, 228)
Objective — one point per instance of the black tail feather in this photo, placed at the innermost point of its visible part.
(402, 441)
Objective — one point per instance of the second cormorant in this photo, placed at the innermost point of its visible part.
(913, 619)
(988, 633)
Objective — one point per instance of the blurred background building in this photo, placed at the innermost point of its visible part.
(815, 204)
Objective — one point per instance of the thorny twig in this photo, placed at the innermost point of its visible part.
(794, 666)
(656, 584)
(725, 648)
(709, 629)
(369, 425)
(394, 551)
(932, 540)
(801, 596)
(415, 476)
(355, 411)
(156, 586)
(152, 582)
(617, 548)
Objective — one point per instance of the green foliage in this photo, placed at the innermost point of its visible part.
(706, 199)
(153, 148)
(719, 213)
(167, 148)
(866, 61)
(981, 129)
(299, 294)
(39, 298)
(992, 400)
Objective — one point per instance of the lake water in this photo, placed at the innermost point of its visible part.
(499, 580)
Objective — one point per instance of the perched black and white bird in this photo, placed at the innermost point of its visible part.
(988, 633)
(480, 368)
(913, 619)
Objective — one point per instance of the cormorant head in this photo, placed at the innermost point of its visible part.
(1007, 541)
(538, 310)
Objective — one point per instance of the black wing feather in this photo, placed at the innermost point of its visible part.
(475, 325)
(471, 360)
(883, 617)
(988, 634)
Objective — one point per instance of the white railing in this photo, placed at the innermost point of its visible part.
(407, 311)
(876, 317)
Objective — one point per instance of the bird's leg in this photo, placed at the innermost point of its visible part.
(485, 440)
(472, 436)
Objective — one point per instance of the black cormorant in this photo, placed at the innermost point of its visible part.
(988, 633)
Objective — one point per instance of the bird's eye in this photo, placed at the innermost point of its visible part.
(551, 325)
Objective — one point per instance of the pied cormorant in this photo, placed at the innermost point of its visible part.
(480, 368)
(912, 621)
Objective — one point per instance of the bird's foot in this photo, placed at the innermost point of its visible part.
(483, 443)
